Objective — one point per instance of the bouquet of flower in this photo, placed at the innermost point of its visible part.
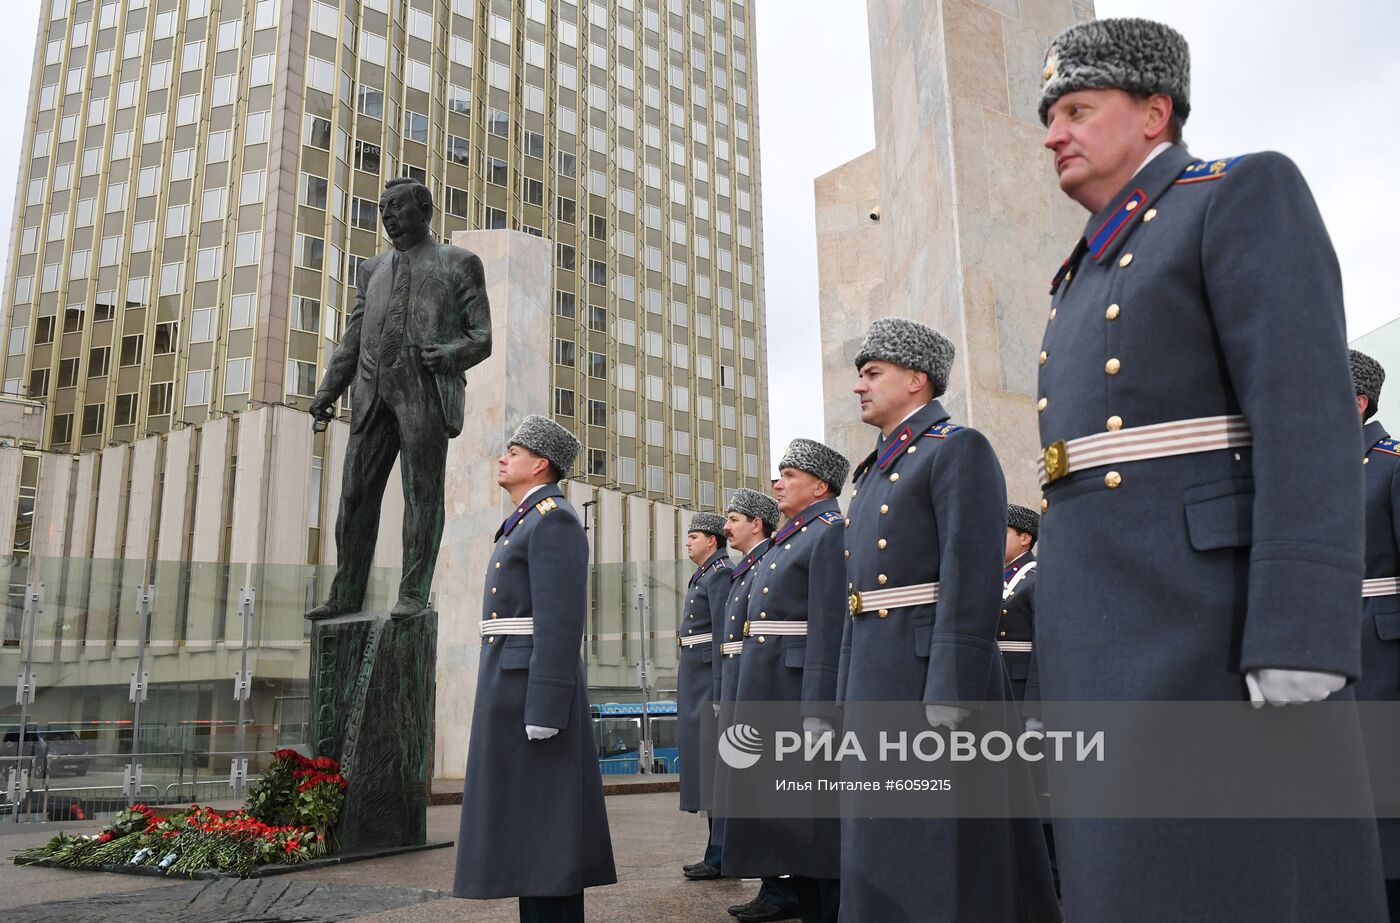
(288, 819)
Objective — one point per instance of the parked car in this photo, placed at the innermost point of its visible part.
(56, 751)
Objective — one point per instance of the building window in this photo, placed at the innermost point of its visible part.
(497, 171)
(242, 311)
(371, 102)
(67, 373)
(167, 338)
(318, 130)
(99, 361)
(161, 397)
(564, 257)
(43, 330)
(458, 150)
(310, 252)
(62, 432)
(306, 314)
(498, 123)
(494, 219)
(237, 376)
(197, 388)
(597, 227)
(597, 318)
(564, 304)
(39, 383)
(92, 419)
(597, 462)
(563, 402)
(564, 352)
(415, 126)
(533, 191)
(301, 378)
(131, 349)
(597, 413)
(367, 157)
(458, 202)
(597, 272)
(364, 214)
(597, 365)
(313, 190)
(126, 410)
(564, 209)
(72, 319)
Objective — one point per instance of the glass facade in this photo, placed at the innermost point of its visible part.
(200, 185)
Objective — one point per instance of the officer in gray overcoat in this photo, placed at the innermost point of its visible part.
(1016, 630)
(791, 644)
(924, 543)
(697, 675)
(750, 520)
(1380, 619)
(533, 822)
(1198, 542)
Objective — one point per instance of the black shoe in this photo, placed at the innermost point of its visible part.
(693, 865)
(407, 607)
(760, 910)
(702, 872)
(736, 909)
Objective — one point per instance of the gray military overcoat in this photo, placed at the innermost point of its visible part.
(533, 822)
(798, 579)
(1380, 617)
(1204, 288)
(697, 681)
(730, 627)
(930, 506)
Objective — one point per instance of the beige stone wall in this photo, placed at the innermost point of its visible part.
(973, 222)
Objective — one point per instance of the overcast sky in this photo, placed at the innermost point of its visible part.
(1321, 84)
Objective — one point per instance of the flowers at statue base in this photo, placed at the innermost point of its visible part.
(289, 818)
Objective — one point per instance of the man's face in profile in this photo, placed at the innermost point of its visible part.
(402, 216)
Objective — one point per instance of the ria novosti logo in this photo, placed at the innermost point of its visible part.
(740, 746)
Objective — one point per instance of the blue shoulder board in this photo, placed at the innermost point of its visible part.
(1203, 170)
(942, 430)
(1389, 446)
(831, 518)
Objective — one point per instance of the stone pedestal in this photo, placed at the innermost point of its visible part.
(373, 685)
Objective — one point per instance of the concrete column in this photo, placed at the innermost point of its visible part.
(513, 382)
(11, 463)
(973, 220)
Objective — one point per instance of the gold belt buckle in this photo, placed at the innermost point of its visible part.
(1056, 461)
(855, 604)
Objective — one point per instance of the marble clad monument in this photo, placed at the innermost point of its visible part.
(955, 219)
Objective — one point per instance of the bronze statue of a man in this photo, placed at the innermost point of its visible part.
(421, 319)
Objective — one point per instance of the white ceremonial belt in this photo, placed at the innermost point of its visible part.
(916, 594)
(693, 640)
(525, 626)
(1022, 647)
(1139, 443)
(774, 627)
(1380, 586)
(730, 648)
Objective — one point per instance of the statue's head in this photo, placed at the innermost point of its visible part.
(406, 208)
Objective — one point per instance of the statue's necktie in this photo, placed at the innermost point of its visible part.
(392, 339)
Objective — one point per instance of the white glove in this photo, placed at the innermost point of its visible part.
(534, 732)
(944, 716)
(1034, 724)
(1290, 687)
(715, 706)
(814, 726)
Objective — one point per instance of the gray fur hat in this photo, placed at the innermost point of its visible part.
(1136, 55)
(1368, 376)
(754, 505)
(1023, 520)
(911, 345)
(819, 461)
(548, 440)
(709, 523)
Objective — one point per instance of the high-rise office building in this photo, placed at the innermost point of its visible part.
(199, 183)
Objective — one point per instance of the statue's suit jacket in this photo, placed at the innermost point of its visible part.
(447, 306)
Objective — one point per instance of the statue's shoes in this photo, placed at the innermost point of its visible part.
(326, 610)
(406, 607)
